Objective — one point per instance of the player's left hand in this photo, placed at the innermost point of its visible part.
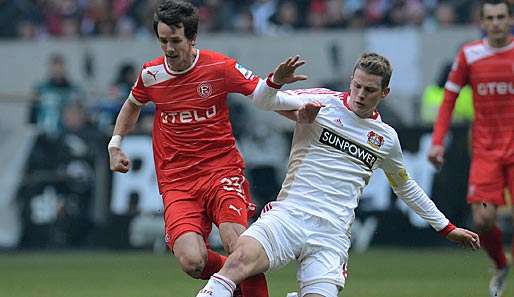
(464, 238)
(284, 73)
(308, 112)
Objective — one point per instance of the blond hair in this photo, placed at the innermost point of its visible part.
(373, 63)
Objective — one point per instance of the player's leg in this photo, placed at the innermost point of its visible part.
(485, 194)
(248, 259)
(323, 261)
(187, 227)
(231, 205)
(510, 196)
(318, 279)
(265, 245)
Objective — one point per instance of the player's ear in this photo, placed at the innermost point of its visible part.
(193, 40)
(385, 92)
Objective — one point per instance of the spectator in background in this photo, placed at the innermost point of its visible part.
(433, 96)
(286, 17)
(124, 81)
(262, 11)
(119, 91)
(445, 14)
(335, 14)
(486, 65)
(129, 18)
(316, 18)
(59, 183)
(52, 94)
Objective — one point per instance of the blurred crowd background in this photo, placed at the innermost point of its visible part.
(39, 19)
(70, 64)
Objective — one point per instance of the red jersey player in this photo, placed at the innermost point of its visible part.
(488, 66)
(199, 170)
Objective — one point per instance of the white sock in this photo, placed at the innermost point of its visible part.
(218, 286)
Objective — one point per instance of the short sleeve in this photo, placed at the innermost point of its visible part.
(458, 76)
(239, 79)
(139, 92)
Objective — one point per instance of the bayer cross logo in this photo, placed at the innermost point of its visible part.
(204, 90)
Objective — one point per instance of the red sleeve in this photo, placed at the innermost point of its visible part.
(456, 80)
(139, 89)
(449, 228)
(239, 79)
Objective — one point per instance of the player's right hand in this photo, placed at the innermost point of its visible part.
(119, 162)
(436, 155)
(308, 112)
(284, 73)
(464, 238)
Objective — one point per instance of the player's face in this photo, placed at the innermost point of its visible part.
(365, 93)
(497, 24)
(176, 47)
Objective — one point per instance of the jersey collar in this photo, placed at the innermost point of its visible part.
(345, 97)
(172, 72)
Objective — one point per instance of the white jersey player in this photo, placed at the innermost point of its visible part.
(332, 158)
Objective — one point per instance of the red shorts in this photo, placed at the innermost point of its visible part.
(488, 180)
(223, 196)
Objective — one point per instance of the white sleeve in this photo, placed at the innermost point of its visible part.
(133, 99)
(409, 191)
(268, 98)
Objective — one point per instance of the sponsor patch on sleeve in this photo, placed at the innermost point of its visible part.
(404, 175)
(248, 74)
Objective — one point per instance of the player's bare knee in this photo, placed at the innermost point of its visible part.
(192, 263)
(483, 224)
(484, 218)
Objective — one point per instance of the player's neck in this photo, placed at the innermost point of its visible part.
(185, 65)
(499, 42)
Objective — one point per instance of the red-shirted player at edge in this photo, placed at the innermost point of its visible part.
(199, 169)
(487, 65)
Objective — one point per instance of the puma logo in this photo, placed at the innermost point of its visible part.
(238, 210)
(153, 74)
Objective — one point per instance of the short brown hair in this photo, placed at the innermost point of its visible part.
(174, 12)
(495, 2)
(373, 63)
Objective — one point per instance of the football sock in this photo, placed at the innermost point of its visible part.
(254, 286)
(492, 243)
(217, 286)
(214, 264)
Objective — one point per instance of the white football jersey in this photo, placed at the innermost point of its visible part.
(332, 160)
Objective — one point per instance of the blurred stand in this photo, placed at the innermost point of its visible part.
(106, 110)
(58, 188)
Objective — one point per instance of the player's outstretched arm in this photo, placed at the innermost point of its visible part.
(464, 238)
(266, 95)
(125, 122)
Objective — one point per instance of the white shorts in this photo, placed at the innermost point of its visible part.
(319, 247)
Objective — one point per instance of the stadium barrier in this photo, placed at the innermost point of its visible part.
(59, 210)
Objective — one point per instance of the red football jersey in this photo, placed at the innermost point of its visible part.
(490, 73)
(192, 133)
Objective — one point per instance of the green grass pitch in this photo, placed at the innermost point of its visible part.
(379, 272)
